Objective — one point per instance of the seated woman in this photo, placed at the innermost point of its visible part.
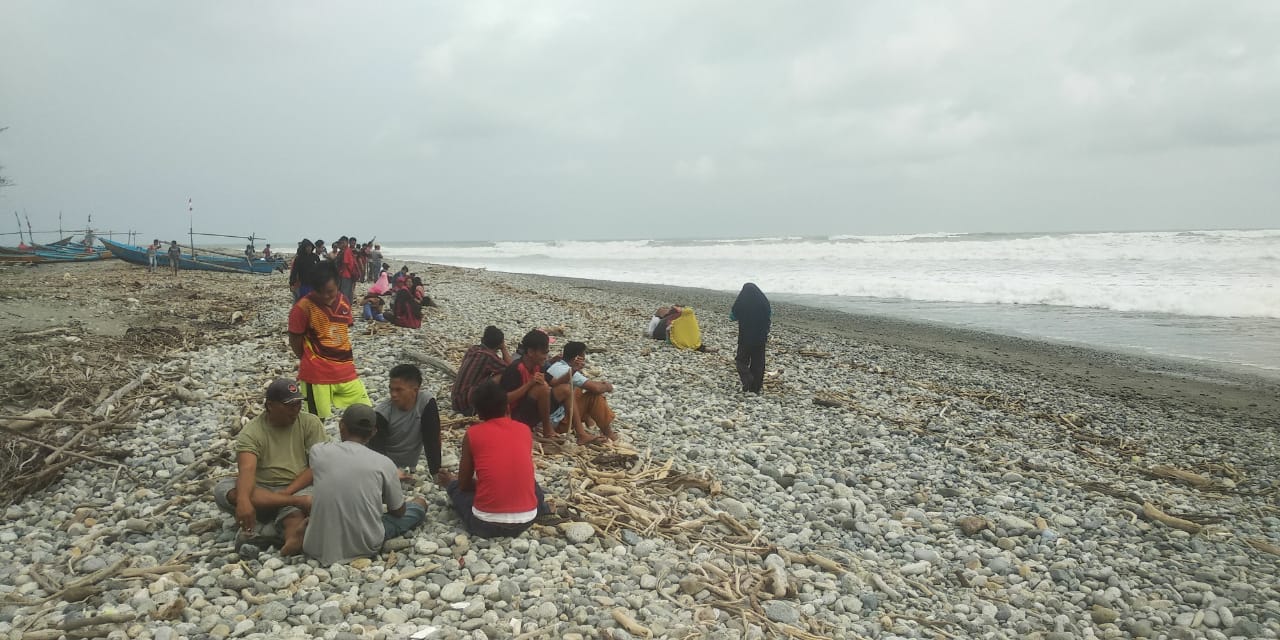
(383, 284)
(661, 319)
(405, 310)
(683, 331)
(373, 305)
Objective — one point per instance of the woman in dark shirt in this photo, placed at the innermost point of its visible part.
(754, 316)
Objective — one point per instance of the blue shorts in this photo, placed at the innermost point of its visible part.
(393, 527)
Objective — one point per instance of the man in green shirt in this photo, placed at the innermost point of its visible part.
(271, 492)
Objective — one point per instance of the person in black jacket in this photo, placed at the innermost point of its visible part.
(752, 312)
(300, 272)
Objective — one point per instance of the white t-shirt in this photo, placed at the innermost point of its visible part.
(653, 326)
(559, 368)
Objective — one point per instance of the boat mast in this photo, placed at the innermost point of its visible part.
(191, 230)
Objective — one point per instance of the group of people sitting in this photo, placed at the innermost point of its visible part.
(353, 263)
(337, 501)
(408, 297)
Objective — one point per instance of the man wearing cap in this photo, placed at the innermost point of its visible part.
(272, 487)
(352, 485)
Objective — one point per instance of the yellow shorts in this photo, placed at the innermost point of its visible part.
(322, 399)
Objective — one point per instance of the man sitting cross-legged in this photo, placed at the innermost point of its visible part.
(409, 424)
(484, 361)
(272, 487)
(352, 483)
(496, 493)
(590, 405)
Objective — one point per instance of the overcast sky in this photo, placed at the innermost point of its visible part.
(587, 120)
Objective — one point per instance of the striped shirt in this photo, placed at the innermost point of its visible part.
(326, 343)
(478, 364)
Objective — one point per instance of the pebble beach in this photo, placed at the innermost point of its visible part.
(892, 481)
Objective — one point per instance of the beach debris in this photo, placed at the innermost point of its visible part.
(1264, 546)
(28, 420)
(1186, 477)
(627, 622)
(1152, 512)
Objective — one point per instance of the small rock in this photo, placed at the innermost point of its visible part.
(971, 525)
(915, 568)
(1103, 615)
(453, 592)
(395, 616)
(735, 508)
(779, 611)
(577, 532)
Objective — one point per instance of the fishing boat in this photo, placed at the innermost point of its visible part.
(134, 254)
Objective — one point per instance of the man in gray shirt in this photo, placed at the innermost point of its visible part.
(351, 485)
(409, 423)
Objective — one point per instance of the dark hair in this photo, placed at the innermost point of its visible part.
(417, 282)
(574, 349)
(406, 372)
(493, 337)
(321, 274)
(489, 400)
(536, 340)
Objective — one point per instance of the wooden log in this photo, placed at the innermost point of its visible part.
(71, 442)
(627, 622)
(1173, 473)
(1153, 512)
(110, 618)
(431, 361)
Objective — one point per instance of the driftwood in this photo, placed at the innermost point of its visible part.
(1173, 473)
(634, 628)
(1153, 512)
(1264, 546)
(431, 361)
(114, 399)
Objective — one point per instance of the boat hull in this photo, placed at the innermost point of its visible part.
(138, 255)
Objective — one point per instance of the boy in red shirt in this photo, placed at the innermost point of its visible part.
(496, 494)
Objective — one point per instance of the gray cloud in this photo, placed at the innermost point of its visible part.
(584, 119)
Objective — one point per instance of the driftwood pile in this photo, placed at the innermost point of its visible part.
(67, 387)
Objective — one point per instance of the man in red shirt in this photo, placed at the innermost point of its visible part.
(348, 267)
(318, 335)
(496, 494)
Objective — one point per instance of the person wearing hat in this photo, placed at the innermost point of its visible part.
(272, 487)
(353, 483)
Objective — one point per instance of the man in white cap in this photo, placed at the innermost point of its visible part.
(271, 492)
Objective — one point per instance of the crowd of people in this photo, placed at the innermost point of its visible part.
(353, 262)
(337, 501)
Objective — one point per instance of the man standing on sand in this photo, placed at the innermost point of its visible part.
(348, 267)
(175, 255)
(352, 484)
(271, 490)
(319, 336)
(375, 262)
(409, 424)
(484, 361)
(153, 252)
(496, 493)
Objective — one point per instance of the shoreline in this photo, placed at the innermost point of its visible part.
(1202, 387)
(889, 482)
